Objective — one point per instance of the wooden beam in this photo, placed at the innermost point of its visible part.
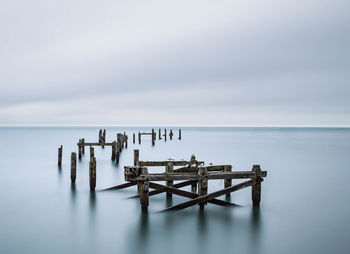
(120, 186)
(195, 176)
(165, 163)
(161, 188)
(178, 185)
(211, 196)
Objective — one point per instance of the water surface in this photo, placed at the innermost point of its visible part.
(304, 207)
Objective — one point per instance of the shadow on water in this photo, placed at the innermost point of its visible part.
(255, 229)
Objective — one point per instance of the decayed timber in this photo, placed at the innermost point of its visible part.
(121, 186)
(194, 176)
(143, 187)
(213, 195)
(161, 188)
(60, 155)
(158, 191)
(169, 170)
(256, 188)
(73, 167)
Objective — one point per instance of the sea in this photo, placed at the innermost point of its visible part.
(305, 198)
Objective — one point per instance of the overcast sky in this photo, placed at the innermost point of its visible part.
(175, 62)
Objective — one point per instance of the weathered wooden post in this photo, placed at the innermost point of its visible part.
(133, 138)
(73, 167)
(60, 155)
(164, 134)
(256, 188)
(136, 157)
(83, 145)
(104, 138)
(179, 134)
(139, 138)
(79, 149)
(153, 137)
(92, 173)
(92, 152)
(118, 149)
(143, 187)
(202, 185)
(100, 136)
(228, 182)
(126, 141)
(113, 150)
(159, 134)
(171, 134)
(169, 169)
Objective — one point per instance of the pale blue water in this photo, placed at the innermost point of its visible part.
(304, 209)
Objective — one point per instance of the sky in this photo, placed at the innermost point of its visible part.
(212, 63)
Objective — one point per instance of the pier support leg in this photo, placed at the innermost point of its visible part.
(136, 157)
(143, 187)
(228, 182)
(169, 169)
(92, 173)
(113, 150)
(60, 155)
(159, 134)
(256, 188)
(82, 145)
(139, 138)
(80, 149)
(202, 186)
(153, 137)
(165, 135)
(179, 134)
(92, 152)
(73, 167)
(126, 141)
(133, 138)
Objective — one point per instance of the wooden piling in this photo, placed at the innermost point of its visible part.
(139, 138)
(179, 134)
(73, 167)
(133, 138)
(60, 155)
(83, 147)
(80, 149)
(202, 185)
(118, 151)
(143, 187)
(169, 169)
(153, 137)
(228, 182)
(126, 141)
(159, 134)
(164, 134)
(171, 134)
(136, 157)
(113, 150)
(256, 188)
(92, 173)
(92, 152)
(104, 138)
(100, 136)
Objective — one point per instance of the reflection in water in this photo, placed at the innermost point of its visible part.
(255, 229)
(73, 193)
(92, 202)
(144, 228)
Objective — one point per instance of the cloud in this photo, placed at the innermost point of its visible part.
(237, 62)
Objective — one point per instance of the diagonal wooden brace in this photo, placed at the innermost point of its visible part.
(211, 196)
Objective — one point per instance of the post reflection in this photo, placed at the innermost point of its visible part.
(255, 229)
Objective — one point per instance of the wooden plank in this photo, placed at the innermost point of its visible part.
(121, 186)
(165, 163)
(95, 144)
(209, 168)
(161, 188)
(211, 196)
(178, 185)
(195, 176)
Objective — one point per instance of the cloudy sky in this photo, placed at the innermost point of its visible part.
(242, 62)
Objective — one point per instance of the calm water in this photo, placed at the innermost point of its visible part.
(304, 209)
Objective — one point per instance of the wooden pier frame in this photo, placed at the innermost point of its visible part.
(191, 172)
(152, 134)
(92, 174)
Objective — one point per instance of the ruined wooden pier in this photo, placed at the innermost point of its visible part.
(191, 172)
